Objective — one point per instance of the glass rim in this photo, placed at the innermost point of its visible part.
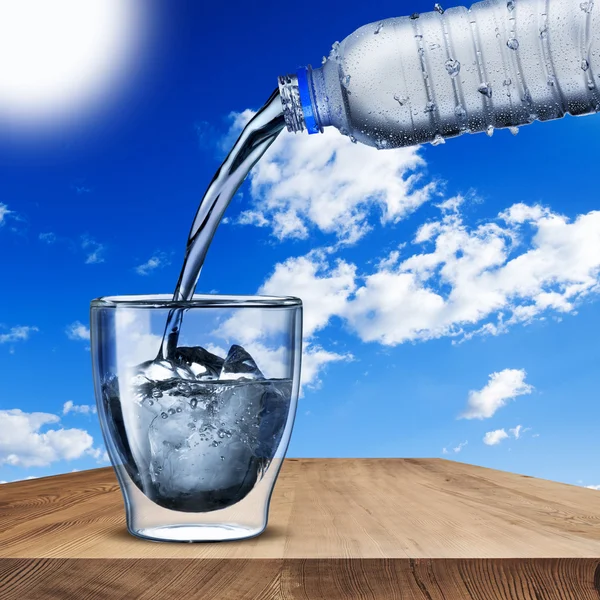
(165, 301)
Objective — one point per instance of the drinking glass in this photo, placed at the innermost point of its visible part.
(197, 437)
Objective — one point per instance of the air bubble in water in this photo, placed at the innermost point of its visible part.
(353, 139)
(514, 130)
(164, 415)
(513, 43)
(438, 8)
(193, 403)
(587, 6)
(156, 393)
(438, 140)
(222, 458)
(323, 60)
(452, 67)
(510, 5)
(485, 89)
(490, 130)
(585, 65)
(171, 411)
(378, 29)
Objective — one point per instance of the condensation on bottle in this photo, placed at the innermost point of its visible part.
(432, 76)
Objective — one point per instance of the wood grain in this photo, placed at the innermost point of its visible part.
(339, 528)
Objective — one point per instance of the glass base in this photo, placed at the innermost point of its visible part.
(214, 532)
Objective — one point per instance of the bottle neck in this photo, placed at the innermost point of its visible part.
(298, 102)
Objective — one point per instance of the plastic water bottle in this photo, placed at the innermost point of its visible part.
(436, 75)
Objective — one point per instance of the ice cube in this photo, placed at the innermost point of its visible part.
(239, 365)
(206, 459)
(202, 363)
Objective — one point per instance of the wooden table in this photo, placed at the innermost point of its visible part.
(367, 529)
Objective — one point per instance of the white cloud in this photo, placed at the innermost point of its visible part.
(157, 261)
(492, 438)
(82, 409)
(501, 387)
(327, 182)
(4, 212)
(94, 250)
(460, 446)
(481, 280)
(593, 487)
(78, 331)
(324, 290)
(17, 334)
(518, 431)
(23, 444)
(99, 454)
(48, 238)
(252, 217)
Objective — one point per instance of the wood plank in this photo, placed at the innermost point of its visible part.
(338, 528)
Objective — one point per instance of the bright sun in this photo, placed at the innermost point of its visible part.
(61, 57)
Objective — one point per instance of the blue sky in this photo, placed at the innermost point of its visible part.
(439, 282)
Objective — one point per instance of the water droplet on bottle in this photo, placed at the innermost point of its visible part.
(164, 415)
(222, 458)
(438, 140)
(179, 409)
(215, 444)
(421, 51)
(544, 31)
(452, 67)
(513, 43)
(438, 8)
(485, 89)
(591, 85)
(171, 411)
(414, 16)
(507, 81)
(156, 393)
(418, 36)
(527, 98)
(490, 130)
(587, 6)
(514, 130)
(400, 99)
(434, 46)
(510, 5)
(460, 112)
(551, 80)
(184, 388)
(193, 403)
(346, 81)
(378, 29)
(585, 65)
(430, 107)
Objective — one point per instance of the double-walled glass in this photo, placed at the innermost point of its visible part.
(197, 437)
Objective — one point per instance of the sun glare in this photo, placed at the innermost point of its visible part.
(62, 58)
